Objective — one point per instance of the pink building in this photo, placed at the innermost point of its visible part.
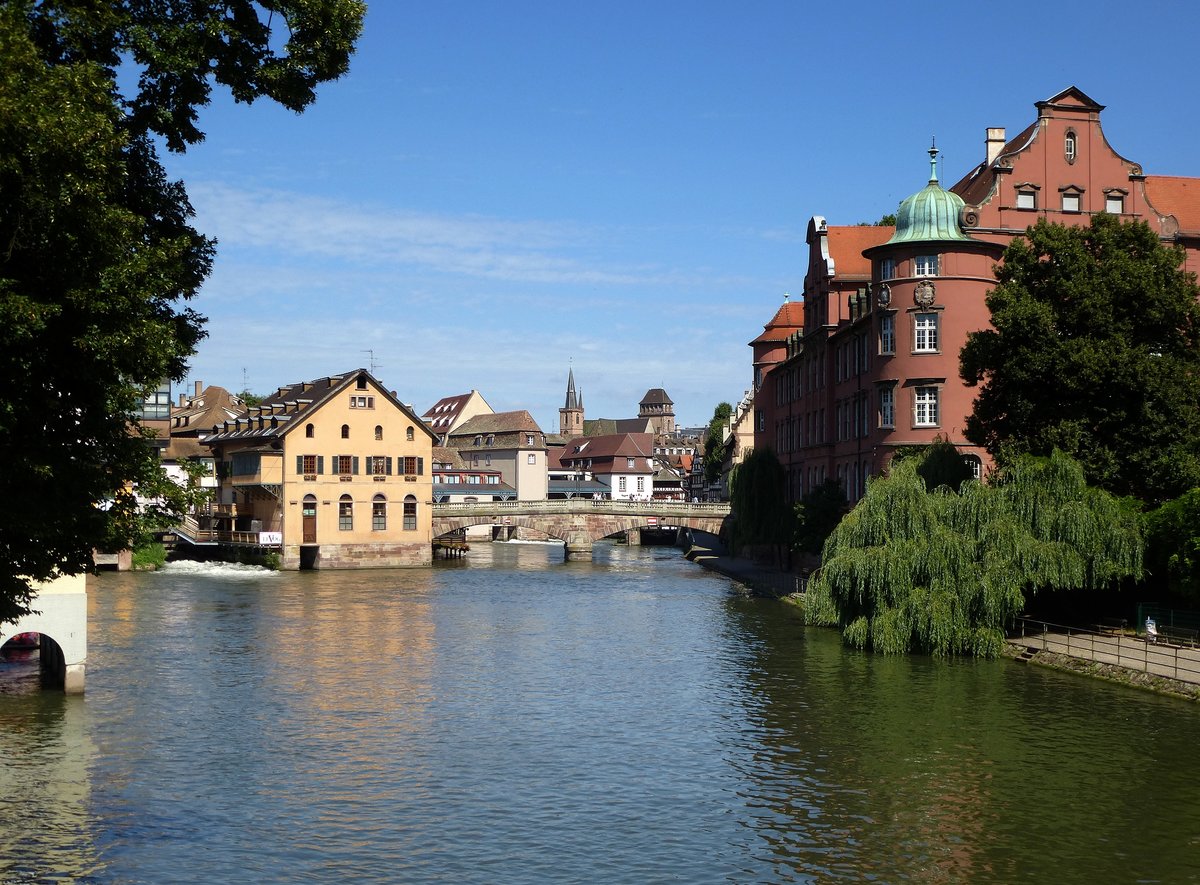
(887, 311)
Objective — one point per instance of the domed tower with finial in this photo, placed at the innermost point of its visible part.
(570, 416)
(928, 288)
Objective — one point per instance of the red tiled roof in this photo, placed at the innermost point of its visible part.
(1178, 196)
(498, 422)
(788, 319)
(846, 245)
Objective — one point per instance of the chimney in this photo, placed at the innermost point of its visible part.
(995, 141)
(199, 387)
(182, 399)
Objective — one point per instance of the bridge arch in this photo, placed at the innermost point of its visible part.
(579, 523)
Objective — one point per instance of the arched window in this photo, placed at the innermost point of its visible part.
(410, 513)
(346, 514)
(379, 514)
(409, 435)
(1070, 146)
(379, 431)
(345, 431)
(309, 431)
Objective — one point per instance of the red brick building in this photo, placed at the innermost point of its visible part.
(887, 310)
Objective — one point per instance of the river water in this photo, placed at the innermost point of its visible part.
(514, 718)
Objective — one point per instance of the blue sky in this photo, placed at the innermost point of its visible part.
(497, 193)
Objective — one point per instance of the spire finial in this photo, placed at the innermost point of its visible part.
(933, 152)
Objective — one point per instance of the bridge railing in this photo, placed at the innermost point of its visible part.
(583, 505)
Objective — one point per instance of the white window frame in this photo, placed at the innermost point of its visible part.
(887, 333)
(925, 266)
(926, 406)
(1114, 204)
(887, 407)
(1026, 199)
(926, 333)
(887, 269)
(1072, 202)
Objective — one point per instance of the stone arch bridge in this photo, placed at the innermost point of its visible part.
(580, 522)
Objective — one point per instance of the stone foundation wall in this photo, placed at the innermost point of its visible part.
(347, 556)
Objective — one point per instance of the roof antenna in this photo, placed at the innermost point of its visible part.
(372, 365)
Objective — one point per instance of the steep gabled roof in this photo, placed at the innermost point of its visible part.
(616, 445)
(278, 413)
(443, 413)
(211, 406)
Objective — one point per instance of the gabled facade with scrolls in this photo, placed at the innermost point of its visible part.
(876, 366)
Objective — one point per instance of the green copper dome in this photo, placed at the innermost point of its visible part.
(930, 214)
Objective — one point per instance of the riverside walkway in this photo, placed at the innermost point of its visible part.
(1161, 658)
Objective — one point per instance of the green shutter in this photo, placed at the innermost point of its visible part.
(389, 465)
(420, 467)
(299, 463)
(354, 465)
(320, 463)
(370, 465)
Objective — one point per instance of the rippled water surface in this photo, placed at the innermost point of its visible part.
(514, 718)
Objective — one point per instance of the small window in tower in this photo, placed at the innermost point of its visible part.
(1070, 146)
(925, 266)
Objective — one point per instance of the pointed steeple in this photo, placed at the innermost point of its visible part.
(572, 397)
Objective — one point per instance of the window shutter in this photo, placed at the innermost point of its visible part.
(320, 463)
(389, 465)
(370, 465)
(354, 465)
(299, 463)
(420, 467)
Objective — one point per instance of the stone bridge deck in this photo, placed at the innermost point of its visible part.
(579, 522)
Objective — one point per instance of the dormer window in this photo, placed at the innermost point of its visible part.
(1070, 147)
(362, 382)
(479, 440)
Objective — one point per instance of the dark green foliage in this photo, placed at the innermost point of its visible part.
(817, 515)
(97, 253)
(762, 515)
(913, 570)
(1173, 544)
(1094, 351)
(942, 465)
(716, 446)
(277, 49)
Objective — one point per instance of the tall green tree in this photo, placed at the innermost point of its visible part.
(909, 569)
(817, 515)
(761, 513)
(1094, 350)
(97, 254)
(716, 445)
(1173, 545)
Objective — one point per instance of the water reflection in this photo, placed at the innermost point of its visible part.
(515, 718)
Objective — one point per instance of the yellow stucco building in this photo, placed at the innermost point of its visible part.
(333, 473)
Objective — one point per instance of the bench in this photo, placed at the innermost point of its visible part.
(1111, 626)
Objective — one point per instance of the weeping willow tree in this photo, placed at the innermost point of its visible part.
(913, 570)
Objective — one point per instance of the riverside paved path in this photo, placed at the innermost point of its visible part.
(1179, 662)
